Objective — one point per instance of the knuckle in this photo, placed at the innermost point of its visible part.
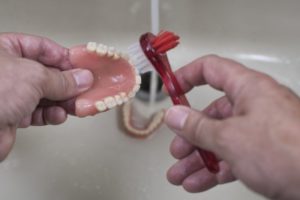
(287, 92)
(36, 72)
(210, 59)
(201, 129)
(253, 83)
(35, 75)
(64, 87)
(41, 75)
(261, 78)
(64, 83)
(222, 136)
(221, 140)
(60, 84)
(262, 82)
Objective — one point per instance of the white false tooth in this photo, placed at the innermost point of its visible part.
(118, 99)
(111, 51)
(100, 105)
(131, 94)
(138, 79)
(126, 99)
(110, 102)
(136, 88)
(124, 96)
(131, 62)
(125, 56)
(136, 70)
(102, 49)
(116, 56)
(91, 46)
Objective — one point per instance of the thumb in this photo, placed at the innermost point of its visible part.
(194, 126)
(62, 85)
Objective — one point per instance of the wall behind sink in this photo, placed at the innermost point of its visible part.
(71, 21)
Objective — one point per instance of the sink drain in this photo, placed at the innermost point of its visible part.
(144, 92)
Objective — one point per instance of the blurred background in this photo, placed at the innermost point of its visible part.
(92, 158)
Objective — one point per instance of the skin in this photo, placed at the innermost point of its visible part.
(254, 130)
(37, 85)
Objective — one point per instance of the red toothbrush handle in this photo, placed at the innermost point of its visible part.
(164, 42)
(178, 98)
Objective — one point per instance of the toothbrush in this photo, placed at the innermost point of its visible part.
(150, 53)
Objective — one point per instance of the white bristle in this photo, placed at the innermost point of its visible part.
(140, 61)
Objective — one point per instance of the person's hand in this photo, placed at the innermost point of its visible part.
(254, 130)
(37, 84)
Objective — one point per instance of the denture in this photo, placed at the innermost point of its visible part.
(115, 79)
(136, 125)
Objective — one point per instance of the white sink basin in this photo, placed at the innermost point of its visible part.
(91, 158)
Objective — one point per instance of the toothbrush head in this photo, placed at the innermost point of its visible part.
(165, 41)
(155, 48)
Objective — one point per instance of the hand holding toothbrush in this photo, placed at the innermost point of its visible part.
(254, 130)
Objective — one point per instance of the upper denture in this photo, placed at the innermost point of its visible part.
(115, 78)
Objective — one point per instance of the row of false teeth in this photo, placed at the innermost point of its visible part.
(112, 101)
(104, 50)
(131, 128)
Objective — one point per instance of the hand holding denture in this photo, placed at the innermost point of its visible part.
(43, 82)
(40, 70)
(38, 84)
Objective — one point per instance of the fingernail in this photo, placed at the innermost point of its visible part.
(176, 117)
(83, 78)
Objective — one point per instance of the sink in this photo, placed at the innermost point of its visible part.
(91, 158)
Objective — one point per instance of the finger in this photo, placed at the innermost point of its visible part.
(7, 139)
(67, 105)
(55, 115)
(36, 48)
(45, 115)
(195, 127)
(26, 122)
(225, 174)
(37, 117)
(203, 180)
(180, 148)
(221, 73)
(219, 109)
(66, 84)
(51, 115)
(199, 181)
(184, 168)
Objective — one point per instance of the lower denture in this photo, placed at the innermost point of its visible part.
(142, 128)
(115, 79)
